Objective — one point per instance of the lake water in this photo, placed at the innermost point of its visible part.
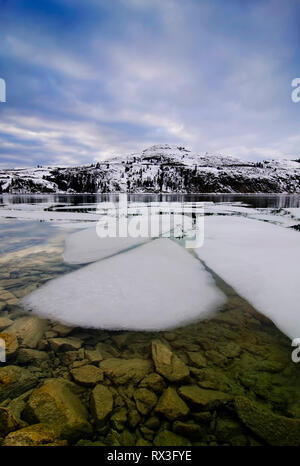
(237, 351)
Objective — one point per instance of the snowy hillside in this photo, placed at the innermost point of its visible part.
(160, 168)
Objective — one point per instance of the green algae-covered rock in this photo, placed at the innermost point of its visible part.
(154, 382)
(14, 381)
(227, 429)
(38, 434)
(119, 418)
(207, 399)
(171, 405)
(31, 356)
(8, 423)
(55, 403)
(134, 418)
(188, 429)
(87, 375)
(65, 344)
(122, 371)
(145, 400)
(273, 429)
(197, 359)
(167, 363)
(127, 438)
(101, 403)
(11, 344)
(5, 322)
(29, 329)
(166, 438)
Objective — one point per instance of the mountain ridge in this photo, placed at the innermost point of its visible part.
(159, 168)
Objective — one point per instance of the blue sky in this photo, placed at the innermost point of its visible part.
(90, 79)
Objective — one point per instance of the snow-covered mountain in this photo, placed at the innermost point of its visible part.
(160, 168)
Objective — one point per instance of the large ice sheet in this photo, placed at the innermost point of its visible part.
(86, 246)
(261, 261)
(156, 286)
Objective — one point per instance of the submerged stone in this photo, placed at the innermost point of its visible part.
(101, 403)
(55, 403)
(87, 375)
(200, 397)
(145, 400)
(8, 423)
(11, 344)
(171, 405)
(29, 329)
(154, 382)
(167, 363)
(65, 344)
(119, 419)
(122, 371)
(14, 381)
(29, 356)
(166, 438)
(5, 322)
(273, 429)
(35, 435)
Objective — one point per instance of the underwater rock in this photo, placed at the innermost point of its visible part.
(122, 371)
(197, 359)
(93, 355)
(101, 403)
(145, 400)
(171, 405)
(55, 403)
(119, 419)
(8, 423)
(65, 344)
(5, 322)
(134, 418)
(188, 429)
(31, 356)
(274, 429)
(87, 375)
(38, 434)
(11, 344)
(166, 438)
(154, 382)
(62, 330)
(14, 381)
(127, 438)
(200, 397)
(29, 329)
(167, 363)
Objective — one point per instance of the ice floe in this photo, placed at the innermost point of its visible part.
(86, 246)
(261, 262)
(155, 286)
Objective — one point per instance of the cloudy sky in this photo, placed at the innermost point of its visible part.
(89, 79)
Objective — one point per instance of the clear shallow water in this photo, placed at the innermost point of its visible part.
(244, 354)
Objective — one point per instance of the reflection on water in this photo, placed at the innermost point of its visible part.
(253, 200)
(16, 235)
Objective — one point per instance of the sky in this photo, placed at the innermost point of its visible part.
(90, 79)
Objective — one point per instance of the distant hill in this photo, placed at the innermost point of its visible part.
(160, 168)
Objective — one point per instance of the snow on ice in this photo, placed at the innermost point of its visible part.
(261, 262)
(156, 286)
